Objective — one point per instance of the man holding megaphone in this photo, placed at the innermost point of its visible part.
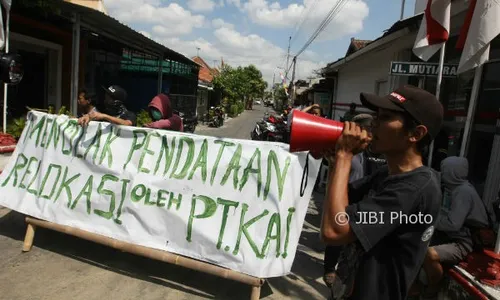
(385, 220)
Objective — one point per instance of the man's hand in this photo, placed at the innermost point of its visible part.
(353, 140)
(84, 120)
(97, 116)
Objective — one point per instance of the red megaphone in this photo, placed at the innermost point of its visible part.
(313, 133)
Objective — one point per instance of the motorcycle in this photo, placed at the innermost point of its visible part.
(216, 117)
(189, 123)
(270, 128)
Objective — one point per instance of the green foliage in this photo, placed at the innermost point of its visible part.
(64, 111)
(16, 127)
(143, 118)
(241, 107)
(239, 85)
(280, 97)
(233, 111)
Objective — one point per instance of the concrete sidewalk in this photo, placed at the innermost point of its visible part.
(61, 267)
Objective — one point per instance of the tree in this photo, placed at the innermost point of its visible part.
(240, 85)
(280, 96)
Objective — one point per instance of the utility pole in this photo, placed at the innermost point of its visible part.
(272, 88)
(287, 58)
(292, 85)
(402, 10)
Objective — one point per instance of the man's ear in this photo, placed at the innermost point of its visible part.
(418, 134)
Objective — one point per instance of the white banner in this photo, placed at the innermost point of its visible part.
(234, 203)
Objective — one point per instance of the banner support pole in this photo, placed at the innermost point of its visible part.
(160, 255)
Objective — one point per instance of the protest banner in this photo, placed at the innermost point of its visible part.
(238, 204)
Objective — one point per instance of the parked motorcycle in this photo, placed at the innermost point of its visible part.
(189, 122)
(216, 117)
(270, 128)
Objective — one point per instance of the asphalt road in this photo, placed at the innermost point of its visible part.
(61, 267)
(239, 127)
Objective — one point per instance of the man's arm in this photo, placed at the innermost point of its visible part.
(307, 109)
(333, 229)
(116, 120)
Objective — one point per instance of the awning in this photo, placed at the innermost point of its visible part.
(205, 86)
(107, 26)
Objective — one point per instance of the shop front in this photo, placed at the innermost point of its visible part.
(477, 137)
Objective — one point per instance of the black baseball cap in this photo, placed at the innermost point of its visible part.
(116, 92)
(421, 105)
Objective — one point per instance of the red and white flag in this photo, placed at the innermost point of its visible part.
(483, 27)
(434, 29)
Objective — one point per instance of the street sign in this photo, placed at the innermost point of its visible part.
(421, 69)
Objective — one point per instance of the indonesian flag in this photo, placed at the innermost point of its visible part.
(6, 4)
(483, 27)
(434, 29)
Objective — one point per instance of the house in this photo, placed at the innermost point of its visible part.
(356, 45)
(207, 96)
(471, 111)
(315, 91)
(94, 4)
(67, 46)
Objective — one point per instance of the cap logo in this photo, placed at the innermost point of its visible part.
(399, 97)
(111, 89)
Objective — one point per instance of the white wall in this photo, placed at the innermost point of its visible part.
(362, 73)
(420, 6)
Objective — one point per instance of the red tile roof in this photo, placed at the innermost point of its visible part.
(356, 45)
(206, 73)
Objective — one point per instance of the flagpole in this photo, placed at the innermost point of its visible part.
(5, 86)
(438, 92)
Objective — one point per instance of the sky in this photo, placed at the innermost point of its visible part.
(243, 32)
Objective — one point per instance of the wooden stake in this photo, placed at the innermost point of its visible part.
(29, 237)
(255, 293)
(155, 254)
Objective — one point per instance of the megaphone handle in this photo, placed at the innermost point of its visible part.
(305, 177)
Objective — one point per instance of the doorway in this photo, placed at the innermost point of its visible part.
(32, 90)
(41, 84)
(484, 143)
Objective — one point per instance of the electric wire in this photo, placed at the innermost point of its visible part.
(330, 16)
(299, 27)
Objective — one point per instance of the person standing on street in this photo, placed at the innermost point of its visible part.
(314, 109)
(382, 257)
(363, 164)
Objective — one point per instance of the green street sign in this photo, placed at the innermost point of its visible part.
(421, 69)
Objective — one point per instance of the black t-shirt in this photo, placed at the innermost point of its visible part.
(395, 248)
(128, 115)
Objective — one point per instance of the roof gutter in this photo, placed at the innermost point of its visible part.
(370, 47)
